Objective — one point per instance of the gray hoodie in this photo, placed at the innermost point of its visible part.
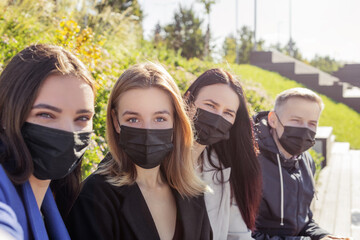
(288, 190)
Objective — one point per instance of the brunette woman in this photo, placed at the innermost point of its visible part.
(46, 110)
(225, 153)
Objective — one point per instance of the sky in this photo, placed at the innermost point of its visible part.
(323, 27)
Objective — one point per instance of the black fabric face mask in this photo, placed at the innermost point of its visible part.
(296, 140)
(210, 128)
(147, 148)
(55, 153)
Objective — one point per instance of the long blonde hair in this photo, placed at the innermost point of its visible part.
(178, 167)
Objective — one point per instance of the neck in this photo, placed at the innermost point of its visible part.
(279, 146)
(149, 178)
(39, 188)
(196, 152)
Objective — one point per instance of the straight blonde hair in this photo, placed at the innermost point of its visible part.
(178, 167)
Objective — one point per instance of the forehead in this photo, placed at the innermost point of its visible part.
(220, 93)
(148, 100)
(66, 91)
(300, 108)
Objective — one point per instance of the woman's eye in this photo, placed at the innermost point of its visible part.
(160, 119)
(229, 114)
(133, 120)
(44, 115)
(83, 118)
(209, 105)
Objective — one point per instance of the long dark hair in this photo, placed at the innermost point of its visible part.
(20, 82)
(238, 152)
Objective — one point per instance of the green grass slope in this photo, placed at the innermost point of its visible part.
(344, 120)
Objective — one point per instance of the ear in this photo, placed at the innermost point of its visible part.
(187, 95)
(115, 121)
(272, 119)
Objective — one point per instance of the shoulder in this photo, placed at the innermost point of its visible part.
(6, 186)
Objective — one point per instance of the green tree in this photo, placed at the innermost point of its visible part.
(184, 33)
(244, 42)
(207, 5)
(325, 63)
(229, 49)
(121, 6)
(289, 49)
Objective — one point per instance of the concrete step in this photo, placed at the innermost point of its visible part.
(340, 147)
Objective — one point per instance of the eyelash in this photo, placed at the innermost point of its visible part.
(83, 118)
(44, 115)
(162, 119)
(132, 120)
(50, 116)
(230, 114)
(210, 105)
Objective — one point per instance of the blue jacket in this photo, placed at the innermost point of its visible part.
(21, 200)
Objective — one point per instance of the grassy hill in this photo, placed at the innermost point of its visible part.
(344, 120)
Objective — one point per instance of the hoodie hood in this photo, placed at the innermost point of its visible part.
(262, 133)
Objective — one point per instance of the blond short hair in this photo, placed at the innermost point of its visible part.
(178, 166)
(303, 93)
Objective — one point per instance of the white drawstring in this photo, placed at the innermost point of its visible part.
(282, 191)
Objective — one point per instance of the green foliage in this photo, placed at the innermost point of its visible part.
(318, 158)
(245, 44)
(325, 63)
(185, 34)
(229, 49)
(290, 49)
(20, 25)
(121, 6)
(343, 119)
(109, 42)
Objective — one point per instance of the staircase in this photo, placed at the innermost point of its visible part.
(309, 76)
(350, 73)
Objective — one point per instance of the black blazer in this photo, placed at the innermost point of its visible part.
(103, 211)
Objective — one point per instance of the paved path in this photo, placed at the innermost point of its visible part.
(338, 206)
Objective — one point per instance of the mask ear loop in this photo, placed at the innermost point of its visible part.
(280, 123)
(117, 119)
(277, 116)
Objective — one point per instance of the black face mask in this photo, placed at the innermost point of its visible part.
(147, 148)
(55, 153)
(210, 128)
(296, 140)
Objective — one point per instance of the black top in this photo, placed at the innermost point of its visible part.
(298, 191)
(103, 211)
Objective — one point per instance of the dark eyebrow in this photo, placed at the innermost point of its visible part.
(212, 101)
(163, 112)
(52, 108)
(130, 113)
(84, 111)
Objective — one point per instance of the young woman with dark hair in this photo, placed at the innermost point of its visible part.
(47, 105)
(225, 152)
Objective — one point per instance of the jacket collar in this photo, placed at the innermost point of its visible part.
(55, 225)
(137, 213)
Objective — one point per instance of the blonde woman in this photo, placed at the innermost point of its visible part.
(146, 188)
